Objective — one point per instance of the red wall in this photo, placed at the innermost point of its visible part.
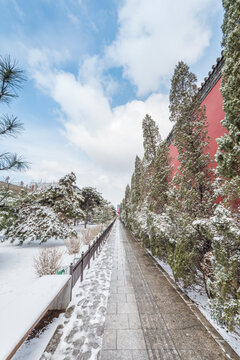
(214, 112)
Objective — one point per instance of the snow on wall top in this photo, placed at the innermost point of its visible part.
(23, 311)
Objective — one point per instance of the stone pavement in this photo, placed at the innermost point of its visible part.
(146, 317)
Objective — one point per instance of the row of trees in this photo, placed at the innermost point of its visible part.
(52, 212)
(41, 214)
(181, 218)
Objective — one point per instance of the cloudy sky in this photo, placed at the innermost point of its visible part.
(94, 69)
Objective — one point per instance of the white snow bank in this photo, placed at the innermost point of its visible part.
(25, 309)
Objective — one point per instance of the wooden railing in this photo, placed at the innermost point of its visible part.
(77, 270)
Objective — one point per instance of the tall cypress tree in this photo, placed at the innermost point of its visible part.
(224, 226)
(194, 179)
(193, 193)
(161, 178)
(151, 138)
(228, 154)
(137, 179)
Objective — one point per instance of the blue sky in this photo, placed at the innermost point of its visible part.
(94, 69)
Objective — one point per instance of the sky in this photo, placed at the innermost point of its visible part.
(93, 70)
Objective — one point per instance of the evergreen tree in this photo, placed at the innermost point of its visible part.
(103, 213)
(125, 206)
(91, 199)
(228, 154)
(193, 195)
(182, 93)
(49, 213)
(160, 180)
(223, 228)
(137, 180)
(11, 78)
(151, 138)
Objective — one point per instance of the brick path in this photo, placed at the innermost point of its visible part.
(146, 316)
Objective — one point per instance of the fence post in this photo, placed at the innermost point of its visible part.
(71, 272)
(93, 250)
(82, 266)
(89, 255)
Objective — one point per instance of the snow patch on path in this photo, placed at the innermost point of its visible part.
(79, 334)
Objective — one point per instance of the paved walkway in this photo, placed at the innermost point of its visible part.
(146, 317)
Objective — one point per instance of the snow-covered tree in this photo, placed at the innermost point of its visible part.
(193, 195)
(91, 199)
(46, 214)
(125, 206)
(223, 230)
(228, 155)
(8, 207)
(160, 180)
(137, 179)
(151, 138)
(103, 213)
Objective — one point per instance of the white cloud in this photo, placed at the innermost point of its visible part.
(110, 137)
(154, 35)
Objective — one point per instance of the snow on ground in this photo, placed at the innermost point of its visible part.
(17, 273)
(79, 335)
(33, 349)
(21, 313)
(16, 266)
(199, 297)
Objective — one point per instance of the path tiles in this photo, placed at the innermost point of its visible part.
(146, 318)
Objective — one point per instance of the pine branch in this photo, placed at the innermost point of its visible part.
(10, 126)
(11, 78)
(10, 161)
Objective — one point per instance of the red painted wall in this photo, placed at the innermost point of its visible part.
(214, 112)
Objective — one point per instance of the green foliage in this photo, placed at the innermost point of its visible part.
(228, 154)
(158, 196)
(178, 219)
(91, 199)
(45, 214)
(8, 207)
(183, 91)
(11, 78)
(103, 213)
(223, 229)
(151, 138)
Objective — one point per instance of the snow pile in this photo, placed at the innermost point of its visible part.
(22, 312)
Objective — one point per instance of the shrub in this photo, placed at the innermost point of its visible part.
(47, 261)
(73, 244)
(90, 233)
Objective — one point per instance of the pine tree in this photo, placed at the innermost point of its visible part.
(91, 199)
(46, 214)
(11, 78)
(103, 213)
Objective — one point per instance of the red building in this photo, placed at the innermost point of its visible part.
(212, 99)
